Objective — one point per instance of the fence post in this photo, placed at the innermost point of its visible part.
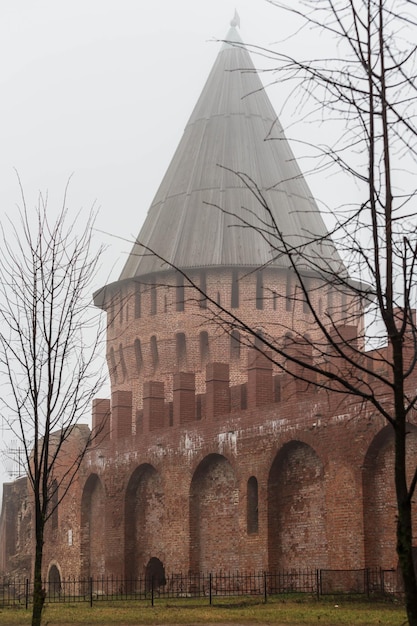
(27, 593)
(367, 581)
(265, 589)
(152, 591)
(318, 575)
(91, 591)
(210, 598)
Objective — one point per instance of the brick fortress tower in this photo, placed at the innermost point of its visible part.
(207, 220)
(209, 458)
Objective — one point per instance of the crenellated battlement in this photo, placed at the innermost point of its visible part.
(263, 387)
(183, 404)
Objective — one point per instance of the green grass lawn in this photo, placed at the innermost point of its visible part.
(278, 611)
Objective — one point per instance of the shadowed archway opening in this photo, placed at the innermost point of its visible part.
(144, 519)
(54, 581)
(92, 528)
(155, 574)
(379, 500)
(214, 501)
(296, 509)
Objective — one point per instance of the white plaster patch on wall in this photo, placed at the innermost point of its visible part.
(344, 417)
(275, 427)
(190, 444)
(228, 442)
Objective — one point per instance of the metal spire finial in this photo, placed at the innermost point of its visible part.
(236, 20)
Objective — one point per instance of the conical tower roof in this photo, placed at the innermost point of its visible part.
(233, 128)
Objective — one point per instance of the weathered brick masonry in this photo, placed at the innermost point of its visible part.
(207, 456)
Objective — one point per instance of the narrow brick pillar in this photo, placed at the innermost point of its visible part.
(184, 398)
(101, 419)
(153, 405)
(238, 397)
(121, 414)
(217, 389)
(260, 387)
(345, 337)
(302, 350)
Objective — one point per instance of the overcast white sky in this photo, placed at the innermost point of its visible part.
(102, 89)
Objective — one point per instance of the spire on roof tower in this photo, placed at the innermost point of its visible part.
(236, 20)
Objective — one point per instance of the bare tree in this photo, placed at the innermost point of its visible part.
(367, 92)
(49, 339)
(370, 85)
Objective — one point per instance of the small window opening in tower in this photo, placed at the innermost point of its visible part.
(121, 304)
(203, 287)
(122, 363)
(259, 338)
(181, 349)
(235, 344)
(53, 504)
(204, 347)
(306, 297)
(235, 290)
(138, 354)
(180, 292)
(110, 313)
(274, 300)
(344, 303)
(113, 365)
(153, 299)
(259, 290)
(138, 301)
(288, 293)
(252, 506)
(329, 299)
(154, 352)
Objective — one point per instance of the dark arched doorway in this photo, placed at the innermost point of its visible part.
(155, 574)
(54, 581)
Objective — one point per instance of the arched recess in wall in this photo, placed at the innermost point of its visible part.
(379, 505)
(53, 507)
(252, 524)
(54, 580)
(204, 348)
(122, 363)
(138, 355)
(296, 509)
(113, 365)
(93, 528)
(181, 350)
(155, 574)
(214, 543)
(144, 520)
(154, 352)
(235, 342)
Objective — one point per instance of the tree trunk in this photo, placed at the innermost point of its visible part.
(404, 512)
(404, 527)
(38, 591)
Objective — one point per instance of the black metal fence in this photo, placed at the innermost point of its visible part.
(367, 582)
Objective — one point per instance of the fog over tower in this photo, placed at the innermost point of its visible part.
(205, 220)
